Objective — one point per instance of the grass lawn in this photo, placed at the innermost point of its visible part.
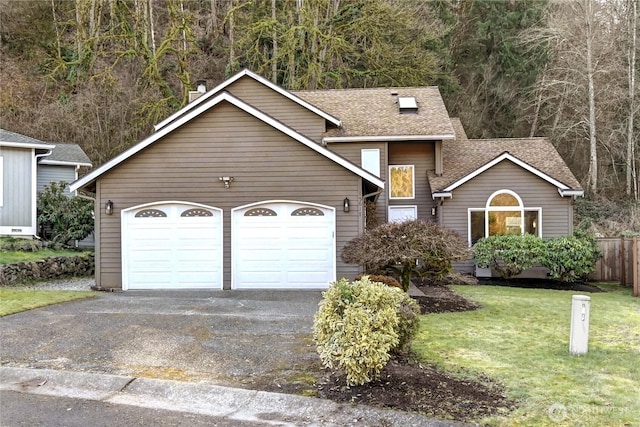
(16, 300)
(520, 337)
(12, 257)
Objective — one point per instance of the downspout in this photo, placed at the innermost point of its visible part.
(93, 199)
(34, 197)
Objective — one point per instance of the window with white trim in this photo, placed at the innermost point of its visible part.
(504, 214)
(370, 160)
(402, 182)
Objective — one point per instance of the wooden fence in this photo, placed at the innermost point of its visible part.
(620, 262)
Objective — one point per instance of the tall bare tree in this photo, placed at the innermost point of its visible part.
(632, 48)
(574, 100)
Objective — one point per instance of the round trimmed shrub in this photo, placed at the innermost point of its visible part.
(509, 255)
(359, 324)
(571, 258)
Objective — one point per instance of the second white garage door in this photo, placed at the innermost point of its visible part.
(283, 245)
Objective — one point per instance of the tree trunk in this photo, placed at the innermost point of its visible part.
(274, 54)
(631, 178)
(152, 31)
(214, 17)
(55, 25)
(593, 154)
(232, 42)
(536, 112)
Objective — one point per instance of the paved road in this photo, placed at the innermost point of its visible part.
(31, 410)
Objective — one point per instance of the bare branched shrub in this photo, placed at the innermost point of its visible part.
(409, 249)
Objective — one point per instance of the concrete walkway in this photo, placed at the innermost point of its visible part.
(229, 403)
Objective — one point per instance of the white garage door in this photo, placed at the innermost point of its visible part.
(283, 245)
(171, 245)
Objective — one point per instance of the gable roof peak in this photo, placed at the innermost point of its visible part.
(249, 74)
(534, 154)
(224, 96)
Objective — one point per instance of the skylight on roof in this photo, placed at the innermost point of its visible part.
(407, 104)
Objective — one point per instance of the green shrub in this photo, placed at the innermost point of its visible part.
(359, 324)
(387, 280)
(509, 255)
(571, 258)
(20, 244)
(70, 218)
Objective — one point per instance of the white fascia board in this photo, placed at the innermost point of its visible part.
(225, 96)
(214, 91)
(569, 193)
(64, 163)
(506, 156)
(26, 145)
(378, 138)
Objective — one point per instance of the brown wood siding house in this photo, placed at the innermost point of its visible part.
(421, 155)
(252, 186)
(224, 142)
(353, 153)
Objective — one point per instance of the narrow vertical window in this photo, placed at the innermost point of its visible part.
(370, 160)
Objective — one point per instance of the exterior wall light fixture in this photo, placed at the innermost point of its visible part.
(346, 204)
(108, 208)
(434, 211)
(227, 180)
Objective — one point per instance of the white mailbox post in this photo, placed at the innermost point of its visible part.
(579, 324)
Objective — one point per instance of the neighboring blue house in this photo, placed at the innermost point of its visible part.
(27, 165)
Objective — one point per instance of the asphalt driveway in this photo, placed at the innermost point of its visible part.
(232, 338)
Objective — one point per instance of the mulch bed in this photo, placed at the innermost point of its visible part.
(409, 385)
(540, 284)
(441, 299)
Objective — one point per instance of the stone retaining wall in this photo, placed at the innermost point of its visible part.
(47, 269)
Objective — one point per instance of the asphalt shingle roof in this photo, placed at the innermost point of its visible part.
(8, 136)
(70, 153)
(62, 152)
(374, 112)
(463, 156)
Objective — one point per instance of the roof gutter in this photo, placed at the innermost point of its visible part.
(27, 145)
(64, 163)
(442, 195)
(571, 193)
(379, 138)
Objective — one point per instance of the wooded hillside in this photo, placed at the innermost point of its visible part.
(100, 73)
